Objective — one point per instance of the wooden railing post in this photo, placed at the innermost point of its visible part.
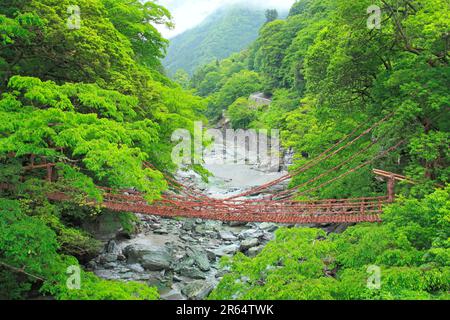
(391, 178)
(391, 189)
(49, 172)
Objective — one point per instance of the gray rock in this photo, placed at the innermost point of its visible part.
(213, 225)
(156, 280)
(191, 272)
(161, 231)
(211, 255)
(112, 248)
(106, 274)
(227, 236)
(111, 265)
(186, 238)
(188, 225)
(237, 224)
(200, 258)
(152, 259)
(222, 272)
(140, 277)
(249, 243)
(251, 233)
(177, 278)
(269, 227)
(173, 295)
(108, 258)
(156, 260)
(268, 237)
(200, 229)
(136, 268)
(227, 250)
(185, 262)
(197, 290)
(253, 252)
(92, 265)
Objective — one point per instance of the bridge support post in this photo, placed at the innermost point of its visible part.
(49, 172)
(391, 189)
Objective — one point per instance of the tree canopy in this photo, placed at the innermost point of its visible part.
(94, 102)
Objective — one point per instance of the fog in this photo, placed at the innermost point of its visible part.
(189, 13)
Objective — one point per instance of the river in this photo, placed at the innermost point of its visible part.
(181, 256)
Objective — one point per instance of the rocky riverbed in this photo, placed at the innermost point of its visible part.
(181, 256)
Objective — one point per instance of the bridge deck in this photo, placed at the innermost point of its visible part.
(291, 212)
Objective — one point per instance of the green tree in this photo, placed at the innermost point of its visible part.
(182, 78)
(241, 113)
(271, 15)
(240, 84)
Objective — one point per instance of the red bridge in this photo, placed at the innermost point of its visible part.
(279, 208)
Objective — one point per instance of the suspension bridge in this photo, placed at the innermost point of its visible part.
(281, 207)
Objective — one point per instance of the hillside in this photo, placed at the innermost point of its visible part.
(226, 31)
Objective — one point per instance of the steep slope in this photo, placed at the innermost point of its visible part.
(226, 31)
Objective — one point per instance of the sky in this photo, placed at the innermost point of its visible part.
(189, 13)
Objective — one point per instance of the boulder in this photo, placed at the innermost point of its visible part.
(200, 258)
(200, 229)
(213, 225)
(267, 226)
(173, 295)
(152, 259)
(108, 258)
(227, 236)
(161, 231)
(136, 268)
(112, 248)
(251, 233)
(236, 224)
(211, 255)
(253, 252)
(190, 272)
(227, 250)
(156, 260)
(197, 290)
(220, 273)
(249, 243)
(188, 225)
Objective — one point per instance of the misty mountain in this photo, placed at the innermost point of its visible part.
(228, 30)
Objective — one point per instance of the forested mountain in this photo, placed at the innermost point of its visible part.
(230, 29)
(330, 75)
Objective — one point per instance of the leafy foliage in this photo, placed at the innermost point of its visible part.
(30, 248)
(94, 103)
(241, 113)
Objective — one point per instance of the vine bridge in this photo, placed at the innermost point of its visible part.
(281, 207)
